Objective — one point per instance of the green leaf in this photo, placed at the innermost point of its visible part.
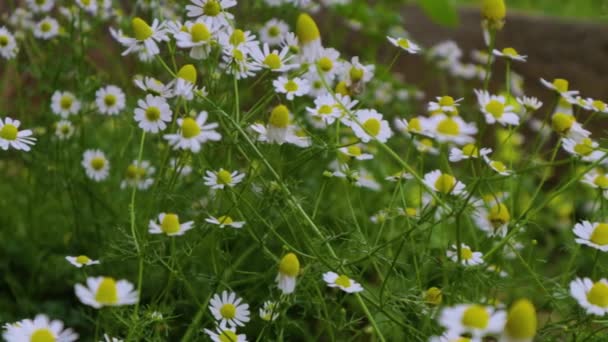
(442, 12)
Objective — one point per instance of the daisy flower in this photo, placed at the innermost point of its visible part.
(592, 234)
(326, 109)
(224, 333)
(212, 12)
(193, 133)
(289, 269)
(279, 123)
(495, 109)
(468, 257)
(12, 137)
(185, 83)
(152, 85)
(273, 60)
(510, 53)
(40, 6)
(293, 135)
(270, 311)
(405, 44)
(64, 103)
(474, 319)
(355, 151)
(414, 125)
(497, 166)
(8, 44)
(232, 38)
(589, 104)
(364, 179)
(198, 37)
(169, 225)
(228, 309)
(371, 125)
(222, 178)
(597, 180)
(444, 183)
(585, 148)
(138, 175)
(291, 87)
(561, 86)
(89, 6)
(444, 104)
(531, 104)
(96, 165)
(342, 282)
(327, 64)
(593, 297)
(237, 61)
(106, 291)
(64, 129)
(273, 32)
(41, 328)
(152, 114)
(566, 125)
(46, 29)
(146, 37)
(399, 175)
(225, 221)
(521, 322)
(450, 129)
(81, 260)
(309, 38)
(468, 151)
(355, 72)
(494, 221)
(110, 100)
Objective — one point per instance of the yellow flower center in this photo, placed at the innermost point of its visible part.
(98, 163)
(446, 101)
(86, 2)
(237, 37)
(470, 150)
(274, 31)
(3, 41)
(499, 215)
(45, 26)
(445, 183)
(289, 265)
(325, 64)
(404, 43)
(107, 292)
(599, 105)
(598, 295)
(496, 108)
(141, 29)
(170, 224)
(306, 29)
(238, 55)
(498, 166)
(521, 320)
(562, 122)
(273, 61)
(433, 296)
(200, 32)
(291, 86)
(326, 110)
(190, 128)
(414, 125)
(448, 126)
(342, 88)
(225, 220)
(476, 316)
(584, 147)
(601, 181)
(279, 117)
(152, 113)
(511, 52)
(228, 311)
(356, 74)
(109, 100)
(561, 85)
(134, 172)
(466, 253)
(343, 281)
(600, 235)
(83, 259)
(228, 336)
(212, 8)
(428, 143)
(224, 177)
(66, 102)
(9, 132)
(354, 150)
(42, 335)
(493, 9)
(188, 73)
(372, 126)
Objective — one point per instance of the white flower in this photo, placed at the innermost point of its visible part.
(110, 100)
(198, 37)
(46, 28)
(89, 6)
(342, 282)
(371, 125)
(273, 60)
(193, 133)
(497, 166)
(146, 37)
(584, 148)
(81, 260)
(468, 151)
(327, 64)
(444, 183)
(40, 6)
(41, 328)
(494, 221)
(231, 38)
(228, 309)
(510, 53)
(291, 86)
(223, 333)
(293, 135)
(64, 129)
(96, 165)
(592, 234)
(597, 180)
(106, 291)
(566, 125)
(138, 175)
(404, 44)
(593, 105)
(355, 72)
(444, 104)
(561, 86)
(326, 109)
(212, 12)
(495, 109)
(531, 104)
(449, 129)
(152, 85)
(153, 113)
(356, 152)
(169, 225)
(399, 175)
(593, 297)
(12, 137)
(273, 31)
(222, 178)
(364, 179)
(8, 44)
(64, 103)
(474, 319)
(467, 256)
(270, 311)
(225, 221)
(425, 145)
(237, 61)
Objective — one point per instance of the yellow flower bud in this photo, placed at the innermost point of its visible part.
(494, 10)
(306, 29)
(188, 73)
(141, 29)
(521, 320)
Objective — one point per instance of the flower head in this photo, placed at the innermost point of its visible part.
(106, 291)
